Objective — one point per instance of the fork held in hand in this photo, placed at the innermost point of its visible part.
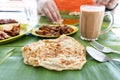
(103, 48)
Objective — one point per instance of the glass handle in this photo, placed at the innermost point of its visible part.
(110, 15)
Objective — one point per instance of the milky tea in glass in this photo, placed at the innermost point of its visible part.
(91, 19)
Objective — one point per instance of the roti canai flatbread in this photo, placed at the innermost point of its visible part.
(63, 53)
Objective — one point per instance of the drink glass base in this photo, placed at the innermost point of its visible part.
(86, 39)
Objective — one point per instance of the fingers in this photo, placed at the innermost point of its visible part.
(109, 4)
(102, 2)
(56, 10)
(51, 11)
(112, 3)
(48, 14)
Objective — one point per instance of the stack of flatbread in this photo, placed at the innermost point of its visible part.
(63, 53)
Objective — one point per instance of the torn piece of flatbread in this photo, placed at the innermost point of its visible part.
(63, 53)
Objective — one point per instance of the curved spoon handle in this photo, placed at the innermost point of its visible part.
(116, 60)
(118, 52)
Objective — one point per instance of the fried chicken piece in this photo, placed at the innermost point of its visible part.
(7, 21)
(54, 30)
(3, 35)
(14, 31)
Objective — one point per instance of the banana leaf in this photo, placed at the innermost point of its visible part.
(13, 68)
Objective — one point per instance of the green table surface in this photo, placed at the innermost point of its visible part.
(13, 68)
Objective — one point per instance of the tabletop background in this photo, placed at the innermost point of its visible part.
(117, 14)
(13, 68)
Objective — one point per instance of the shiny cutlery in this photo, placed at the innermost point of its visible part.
(99, 56)
(102, 48)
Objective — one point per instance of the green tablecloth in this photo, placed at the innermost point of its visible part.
(13, 68)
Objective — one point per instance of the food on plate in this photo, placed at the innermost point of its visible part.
(74, 13)
(55, 30)
(7, 21)
(3, 35)
(7, 31)
(23, 30)
(63, 53)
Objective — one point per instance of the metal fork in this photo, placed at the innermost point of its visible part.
(102, 48)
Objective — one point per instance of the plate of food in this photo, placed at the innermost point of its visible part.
(7, 21)
(51, 31)
(12, 31)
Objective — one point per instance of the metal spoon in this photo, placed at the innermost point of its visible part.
(99, 56)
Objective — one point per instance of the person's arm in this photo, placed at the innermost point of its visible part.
(110, 4)
(49, 8)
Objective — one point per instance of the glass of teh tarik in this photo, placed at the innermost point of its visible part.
(91, 19)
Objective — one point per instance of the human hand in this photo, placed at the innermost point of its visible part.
(50, 10)
(110, 4)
